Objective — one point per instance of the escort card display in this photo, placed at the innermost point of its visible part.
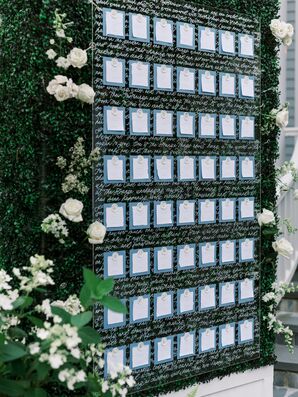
(177, 120)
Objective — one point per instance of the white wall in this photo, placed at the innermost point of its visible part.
(256, 383)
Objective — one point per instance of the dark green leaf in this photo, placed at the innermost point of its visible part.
(113, 304)
(12, 388)
(36, 321)
(81, 319)
(23, 302)
(42, 370)
(63, 314)
(104, 287)
(91, 280)
(12, 351)
(36, 393)
(17, 333)
(89, 335)
(85, 296)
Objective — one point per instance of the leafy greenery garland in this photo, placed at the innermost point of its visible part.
(34, 131)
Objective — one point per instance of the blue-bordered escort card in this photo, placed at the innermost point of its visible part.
(227, 126)
(163, 214)
(114, 120)
(186, 169)
(186, 345)
(246, 87)
(115, 360)
(114, 72)
(114, 169)
(207, 340)
(227, 335)
(163, 77)
(186, 257)
(207, 39)
(247, 250)
(207, 125)
(207, 297)
(186, 299)
(246, 128)
(139, 75)
(246, 331)
(163, 305)
(226, 43)
(140, 168)
(207, 254)
(246, 290)
(163, 123)
(163, 350)
(227, 252)
(228, 168)
(164, 168)
(185, 35)
(163, 259)
(247, 167)
(113, 319)
(247, 209)
(207, 211)
(186, 211)
(115, 216)
(139, 309)
(207, 82)
(163, 32)
(246, 45)
(207, 167)
(140, 262)
(115, 264)
(139, 216)
(113, 23)
(227, 294)
(186, 125)
(227, 210)
(139, 28)
(186, 80)
(227, 85)
(140, 355)
(139, 122)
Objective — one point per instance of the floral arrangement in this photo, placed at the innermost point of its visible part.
(283, 31)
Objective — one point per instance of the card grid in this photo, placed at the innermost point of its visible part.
(126, 145)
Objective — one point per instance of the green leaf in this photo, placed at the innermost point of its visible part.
(81, 319)
(89, 335)
(85, 296)
(113, 304)
(17, 333)
(104, 287)
(23, 302)
(36, 321)
(63, 314)
(38, 392)
(42, 370)
(91, 280)
(12, 388)
(12, 351)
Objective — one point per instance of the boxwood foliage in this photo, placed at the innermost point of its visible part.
(35, 130)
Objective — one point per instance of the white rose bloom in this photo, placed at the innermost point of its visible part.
(77, 58)
(52, 87)
(287, 41)
(86, 93)
(96, 233)
(72, 210)
(266, 217)
(283, 247)
(274, 25)
(282, 118)
(290, 30)
(61, 79)
(60, 33)
(73, 88)
(62, 62)
(296, 194)
(62, 93)
(282, 30)
(51, 53)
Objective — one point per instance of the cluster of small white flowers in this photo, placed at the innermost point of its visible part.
(39, 273)
(288, 167)
(119, 382)
(61, 26)
(54, 224)
(7, 322)
(7, 295)
(283, 31)
(71, 377)
(64, 88)
(72, 305)
(78, 167)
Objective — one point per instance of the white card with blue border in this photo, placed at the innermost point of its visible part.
(114, 120)
(246, 45)
(246, 290)
(113, 319)
(186, 124)
(139, 262)
(140, 122)
(163, 123)
(228, 168)
(207, 125)
(207, 254)
(247, 248)
(186, 301)
(163, 259)
(207, 297)
(247, 208)
(139, 27)
(227, 42)
(115, 264)
(247, 167)
(114, 72)
(115, 169)
(163, 350)
(140, 169)
(227, 210)
(186, 212)
(163, 77)
(207, 168)
(247, 127)
(227, 85)
(139, 217)
(227, 294)
(139, 74)
(185, 35)
(207, 39)
(114, 215)
(247, 87)
(186, 257)
(246, 331)
(163, 214)
(163, 305)
(163, 31)
(186, 80)
(227, 335)
(207, 340)
(207, 211)
(164, 171)
(115, 360)
(227, 252)
(186, 169)
(207, 83)
(140, 355)
(140, 309)
(113, 23)
(186, 345)
(227, 127)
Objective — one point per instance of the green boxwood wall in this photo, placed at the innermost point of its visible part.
(35, 130)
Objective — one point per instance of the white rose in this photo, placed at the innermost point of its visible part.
(62, 93)
(52, 87)
(287, 41)
(72, 210)
(51, 54)
(296, 194)
(282, 30)
(77, 58)
(283, 247)
(274, 25)
(73, 88)
(86, 93)
(61, 79)
(96, 233)
(52, 41)
(266, 217)
(282, 118)
(62, 63)
(60, 33)
(290, 30)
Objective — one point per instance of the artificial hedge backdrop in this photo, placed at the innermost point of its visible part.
(35, 130)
